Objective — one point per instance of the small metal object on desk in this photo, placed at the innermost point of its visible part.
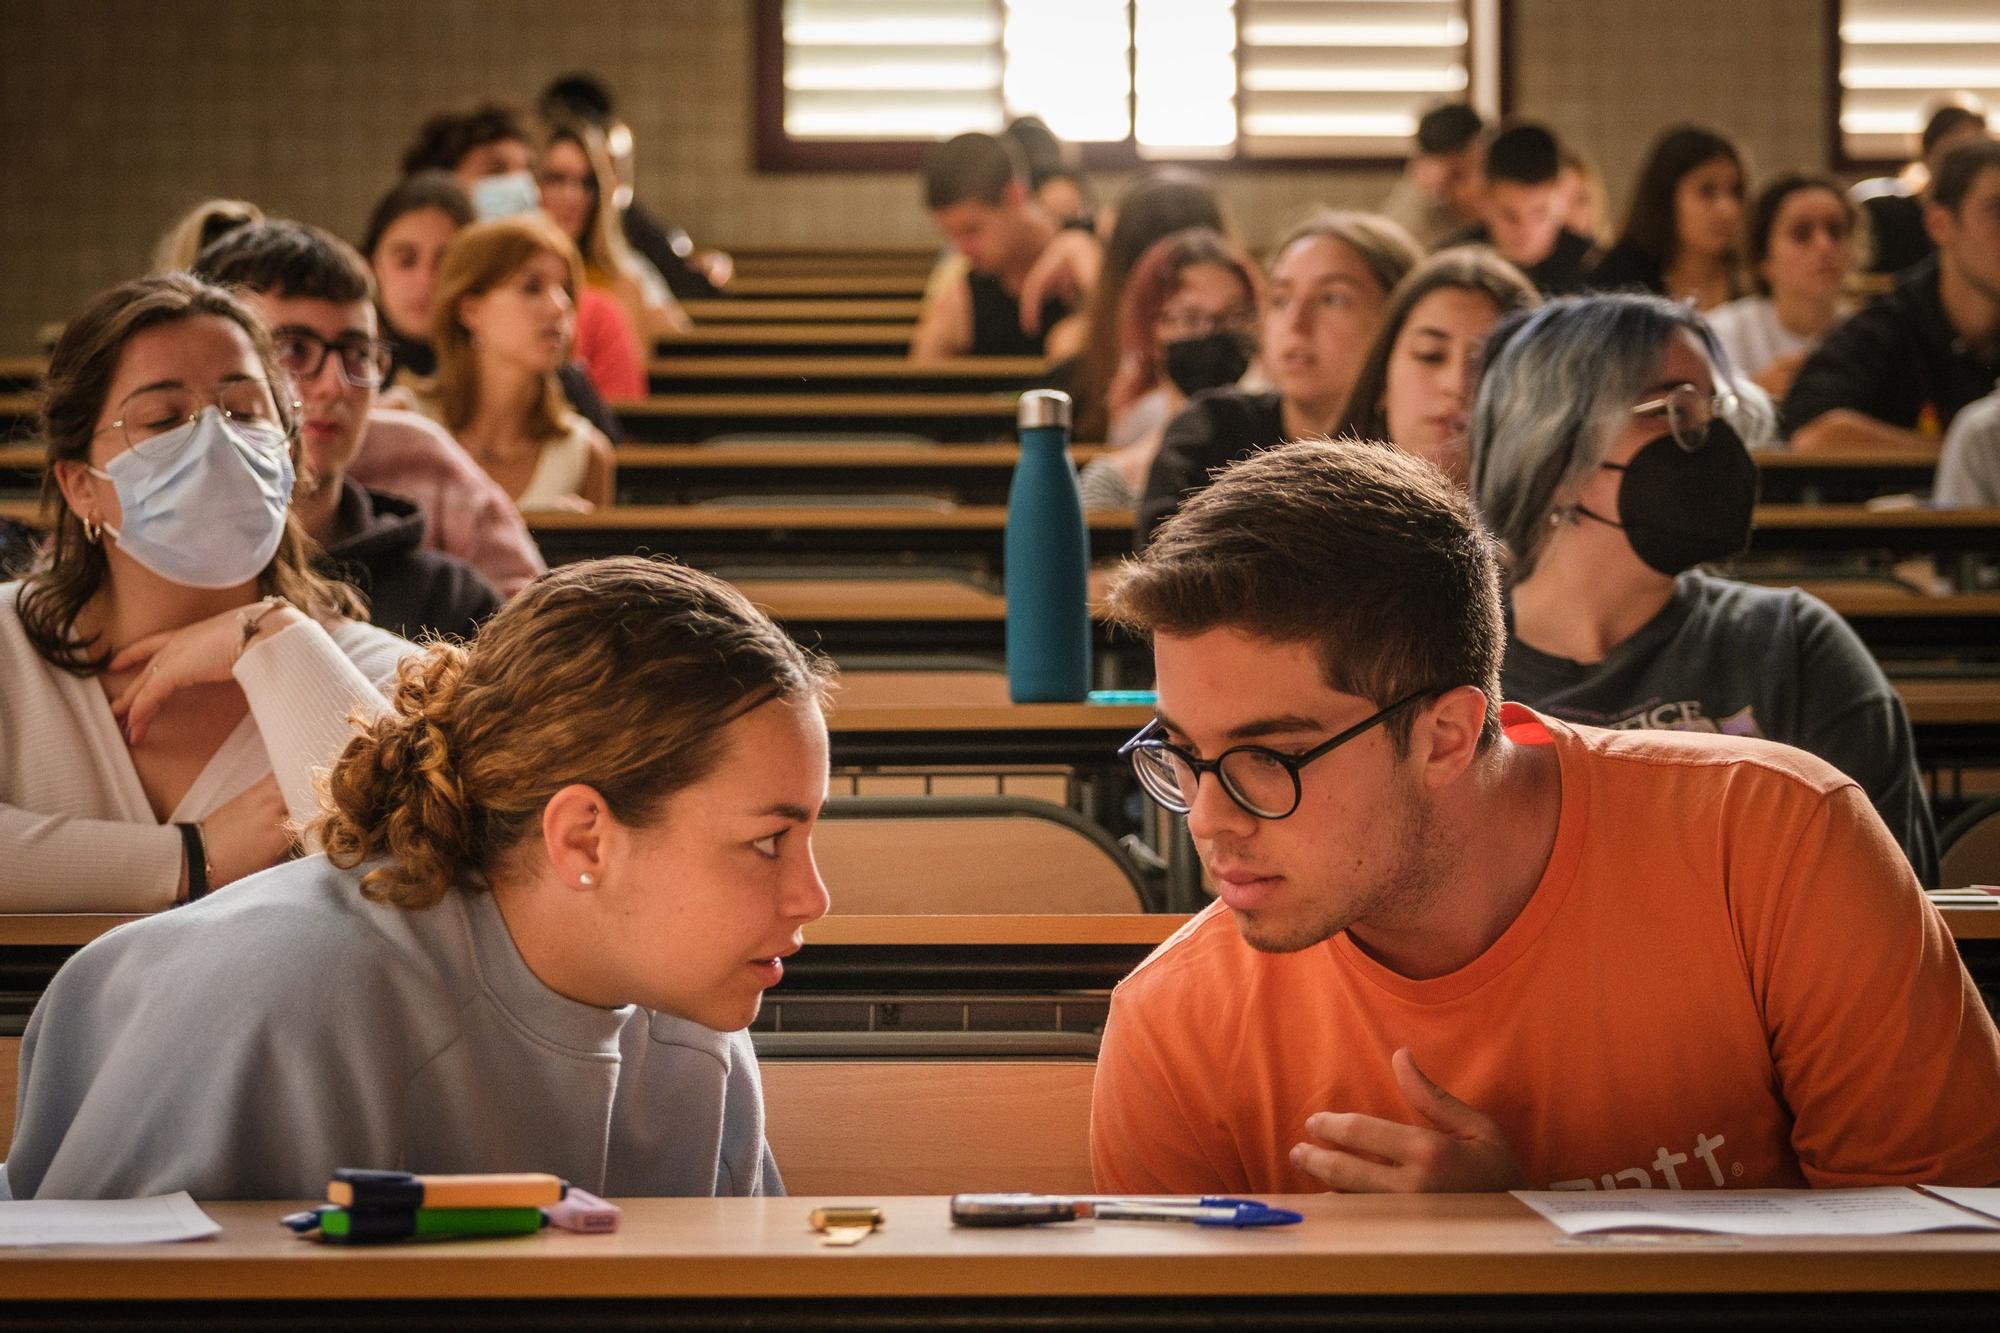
(845, 1226)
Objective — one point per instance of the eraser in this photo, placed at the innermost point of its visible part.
(580, 1210)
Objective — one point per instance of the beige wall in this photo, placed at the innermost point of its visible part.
(115, 115)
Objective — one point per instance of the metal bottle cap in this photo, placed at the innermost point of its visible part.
(1044, 407)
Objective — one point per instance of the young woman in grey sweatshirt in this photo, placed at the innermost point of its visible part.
(560, 874)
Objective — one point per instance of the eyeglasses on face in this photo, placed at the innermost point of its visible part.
(1689, 413)
(363, 361)
(1262, 781)
(150, 415)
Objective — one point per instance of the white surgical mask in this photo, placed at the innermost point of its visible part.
(205, 503)
(505, 196)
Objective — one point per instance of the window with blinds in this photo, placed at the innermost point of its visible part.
(1347, 78)
(1897, 57)
(1159, 79)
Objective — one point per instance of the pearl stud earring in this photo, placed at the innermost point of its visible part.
(586, 880)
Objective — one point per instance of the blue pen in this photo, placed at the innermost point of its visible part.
(1229, 1213)
(1014, 1210)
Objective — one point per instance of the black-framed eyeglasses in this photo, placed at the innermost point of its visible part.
(363, 361)
(1263, 781)
(1689, 413)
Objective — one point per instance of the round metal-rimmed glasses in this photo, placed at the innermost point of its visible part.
(1689, 413)
(147, 418)
(1262, 781)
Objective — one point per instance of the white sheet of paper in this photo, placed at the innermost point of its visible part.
(104, 1221)
(1985, 1201)
(1892, 1211)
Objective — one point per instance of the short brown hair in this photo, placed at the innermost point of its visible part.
(975, 166)
(620, 673)
(1372, 557)
(479, 259)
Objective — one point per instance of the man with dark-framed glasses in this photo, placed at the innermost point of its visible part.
(316, 295)
(1459, 946)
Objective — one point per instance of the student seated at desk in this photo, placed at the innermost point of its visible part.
(487, 151)
(312, 292)
(404, 244)
(1329, 283)
(1522, 211)
(506, 310)
(1801, 256)
(1415, 388)
(175, 671)
(1608, 456)
(1438, 192)
(1903, 366)
(1187, 324)
(1461, 946)
(1680, 237)
(1895, 204)
(1968, 472)
(1097, 347)
(976, 187)
(560, 875)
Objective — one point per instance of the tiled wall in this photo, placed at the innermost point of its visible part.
(116, 115)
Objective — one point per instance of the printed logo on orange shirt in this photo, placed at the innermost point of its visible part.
(1668, 1164)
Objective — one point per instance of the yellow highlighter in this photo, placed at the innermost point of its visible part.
(355, 1188)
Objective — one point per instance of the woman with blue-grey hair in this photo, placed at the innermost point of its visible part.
(1608, 455)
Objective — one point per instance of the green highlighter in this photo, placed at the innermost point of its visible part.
(368, 1227)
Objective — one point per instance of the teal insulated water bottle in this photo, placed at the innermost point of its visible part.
(1047, 561)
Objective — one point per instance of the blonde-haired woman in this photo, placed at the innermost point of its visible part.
(175, 671)
(577, 179)
(505, 312)
(561, 874)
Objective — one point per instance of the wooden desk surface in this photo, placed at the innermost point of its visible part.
(1943, 700)
(1000, 406)
(763, 286)
(1474, 1244)
(1858, 460)
(792, 333)
(1861, 518)
(779, 455)
(977, 518)
(874, 599)
(801, 310)
(848, 367)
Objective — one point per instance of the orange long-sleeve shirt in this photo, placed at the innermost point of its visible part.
(1727, 977)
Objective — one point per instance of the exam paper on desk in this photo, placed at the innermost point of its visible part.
(1889, 1211)
(104, 1221)
(1986, 1200)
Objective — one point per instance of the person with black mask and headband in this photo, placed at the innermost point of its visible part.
(1608, 456)
(176, 671)
(1187, 323)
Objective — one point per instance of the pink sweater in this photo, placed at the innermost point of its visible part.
(466, 514)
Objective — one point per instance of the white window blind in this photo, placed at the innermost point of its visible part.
(892, 69)
(1897, 56)
(1348, 78)
(1175, 78)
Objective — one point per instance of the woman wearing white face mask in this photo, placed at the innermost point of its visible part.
(175, 671)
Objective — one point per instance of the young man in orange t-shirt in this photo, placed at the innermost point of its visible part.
(1635, 959)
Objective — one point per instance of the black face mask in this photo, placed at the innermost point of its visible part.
(1208, 362)
(1681, 509)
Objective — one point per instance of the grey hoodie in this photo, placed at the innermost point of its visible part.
(244, 1047)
